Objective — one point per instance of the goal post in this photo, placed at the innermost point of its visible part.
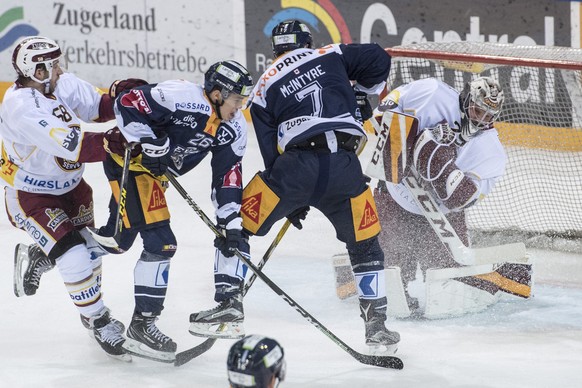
(540, 127)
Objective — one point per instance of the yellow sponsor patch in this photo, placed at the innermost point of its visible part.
(8, 169)
(365, 216)
(152, 198)
(257, 204)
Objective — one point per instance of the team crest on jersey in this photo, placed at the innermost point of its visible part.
(233, 178)
(225, 135)
(84, 216)
(56, 218)
(67, 165)
(136, 99)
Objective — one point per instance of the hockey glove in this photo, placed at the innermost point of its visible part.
(114, 142)
(227, 244)
(296, 216)
(121, 85)
(155, 154)
(364, 105)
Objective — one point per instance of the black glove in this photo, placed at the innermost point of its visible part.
(121, 85)
(115, 143)
(297, 216)
(155, 154)
(227, 244)
(364, 104)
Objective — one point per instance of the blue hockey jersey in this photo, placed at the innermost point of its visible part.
(306, 92)
(181, 110)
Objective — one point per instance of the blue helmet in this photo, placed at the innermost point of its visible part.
(253, 362)
(228, 77)
(290, 35)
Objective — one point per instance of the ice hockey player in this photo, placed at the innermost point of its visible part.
(43, 154)
(175, 124)
(309, 128)
(256, 361)
(459, 156)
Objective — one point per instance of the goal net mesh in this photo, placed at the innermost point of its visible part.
(540, 128)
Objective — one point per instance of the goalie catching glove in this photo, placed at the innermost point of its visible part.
(435, 163)
(155, 154)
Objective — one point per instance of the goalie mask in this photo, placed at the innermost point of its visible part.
(481, 105)
(228, 77)
(290, 35)
(253, 362)
(33, 51)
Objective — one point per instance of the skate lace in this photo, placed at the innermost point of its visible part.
(110, 334)
(153, 331)
(42, 267)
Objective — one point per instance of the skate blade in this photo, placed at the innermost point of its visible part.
(138, 349)
(21, 261)
(382, 350)
(120, 357)
(230, 330)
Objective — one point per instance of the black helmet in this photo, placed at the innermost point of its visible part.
(228, 77)
(290, 35)
(254, 360)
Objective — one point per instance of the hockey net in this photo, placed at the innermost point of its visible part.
(540, 196)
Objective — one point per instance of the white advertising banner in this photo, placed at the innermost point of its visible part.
(109, 39)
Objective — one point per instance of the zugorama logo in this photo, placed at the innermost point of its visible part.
(16, 31)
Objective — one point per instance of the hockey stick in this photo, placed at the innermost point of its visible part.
(267, 255)
(113, 241)
(510, 253)
(189, 354)
(381, 361)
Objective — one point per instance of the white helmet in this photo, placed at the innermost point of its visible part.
(481, 105)
(32, 51)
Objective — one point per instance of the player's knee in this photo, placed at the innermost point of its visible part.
(65, 243)
(366, 255)
(160, 241)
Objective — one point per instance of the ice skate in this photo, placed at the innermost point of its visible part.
(30, 263)
(87, 324)
(144, 339)
(378, 338)
(107, 333)
(223, 321)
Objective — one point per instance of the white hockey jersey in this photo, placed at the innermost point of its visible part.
(42, 136)
(432, 101)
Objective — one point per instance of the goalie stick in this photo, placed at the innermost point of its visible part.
(189, 354)
(380, 361)
(112, 242)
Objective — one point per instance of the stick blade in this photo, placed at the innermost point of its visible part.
(187, 355)
(390, 362)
